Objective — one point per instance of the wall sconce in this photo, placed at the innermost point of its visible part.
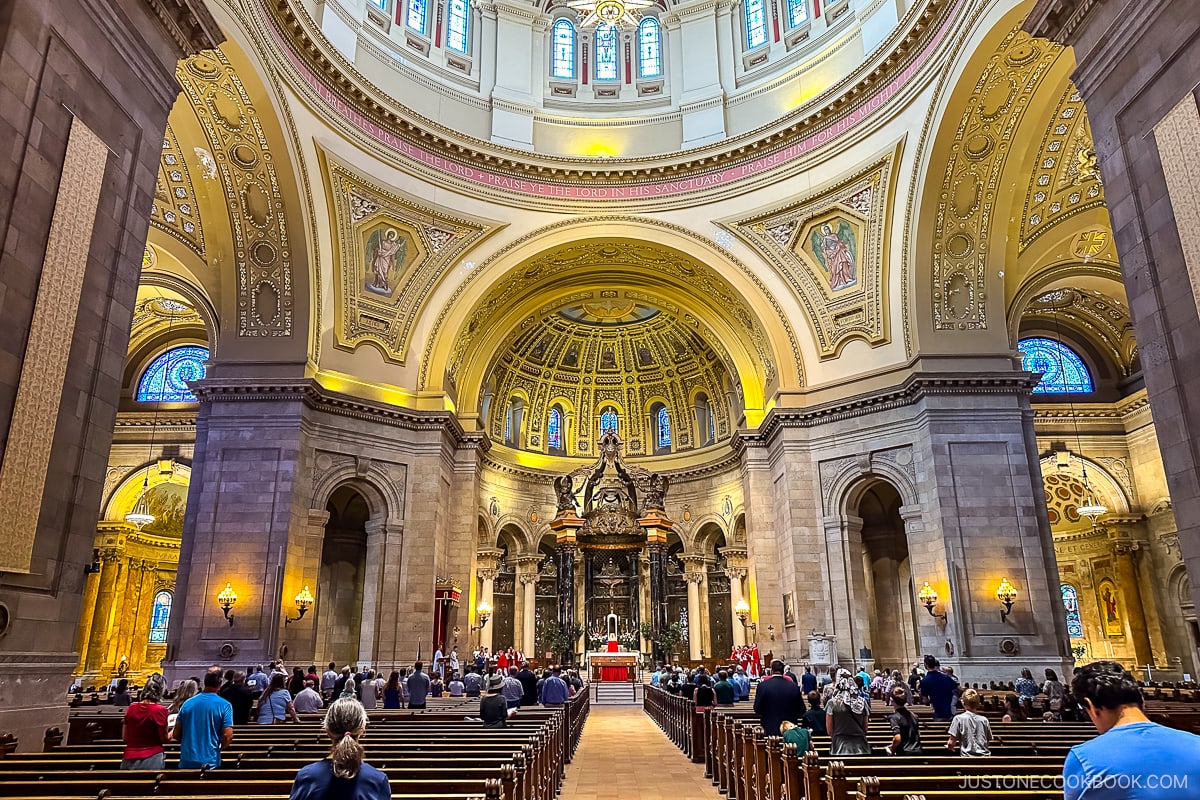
(227, 599)
(929, 598)
(484, 612)
(304, 601)
(742, 609)
(1006, 594)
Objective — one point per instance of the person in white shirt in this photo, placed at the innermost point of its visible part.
(456, 688)
(328, 680)
(367, 693)
(453, 662)
(308, 701)
(439, 664)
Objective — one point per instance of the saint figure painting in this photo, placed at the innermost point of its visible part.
(837, 252)
(386, 253)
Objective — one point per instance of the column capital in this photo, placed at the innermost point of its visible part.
(527, 578)
(693, 577)
(736, 573)
(487, 573)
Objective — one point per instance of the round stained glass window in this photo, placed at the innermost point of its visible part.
(166, 379)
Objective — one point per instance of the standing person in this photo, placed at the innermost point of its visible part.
(454, 665)
(312, 675)
(938, 689)
(185, 691)
(391, 691)
(296, 684)
(724, 691)
(257, 680)
(1026, 686)
(742, 682)
(513, 689)
(970, 731)
(240, 697)
(120, 696)
(808, 681)
(865, 676)
(309, 700)
(502, 662)
(554, 691)
(1055, 692)
(814, 717)
(343, 774)
(906, 731)
(204, 726)
(368, 693)
(1131, 751)
(339, 683)
(418, 687)
(777, 699)
(493, 709)
(914, 679)
(145, 730)
(846, 719)
(705, 696)
(529, 681)
(439, 664)
(275, 704)
(328, 681)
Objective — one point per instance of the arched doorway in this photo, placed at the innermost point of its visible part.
(889, 602)
(343, 577)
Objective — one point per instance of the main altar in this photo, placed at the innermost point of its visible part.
(617, 539)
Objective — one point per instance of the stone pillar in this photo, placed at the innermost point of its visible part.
(486, 571)
(86, 616)
(851, 619)
(736, 575)
(528, 611)
(1124, 552)
(110, 567)
(141, 627)
(695, 641)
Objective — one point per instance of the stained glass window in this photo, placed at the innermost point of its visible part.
(608, 421)
(606, 53)
(1063, 371)
(797, 12)
(160, 616)
(456, 25)
(165, 380)
(756, 23)
(712, 427)
(664, 428)
(418, 15)
(554, 430)
(649, 48)
(1070, 599)
(380, 4)
(562, 64)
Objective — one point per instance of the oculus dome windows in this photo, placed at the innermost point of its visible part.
(1061, 368)
(166, 379)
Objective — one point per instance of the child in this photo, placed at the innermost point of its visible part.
(906, 735)
(970, 731)
(795, 734)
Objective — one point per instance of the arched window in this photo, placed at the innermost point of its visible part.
(160, 617)
(1063, 371)
(706, 429)
(756, 23)
(380, 4)
(662, 429)
(797, 12)
(554, 432)
(418, 15)
(457, 16)
(1070, 599)
(562, 59)
(512, 421)
(606, 53)
(609, 421)
(165, 380)
(649, 48)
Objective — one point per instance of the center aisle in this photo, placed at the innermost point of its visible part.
(622, 755)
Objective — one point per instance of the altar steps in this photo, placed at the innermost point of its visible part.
(617, 693)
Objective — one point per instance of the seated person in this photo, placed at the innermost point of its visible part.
(797, 735)
(493, 709)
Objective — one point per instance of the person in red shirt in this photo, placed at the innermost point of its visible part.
(502, 662)
(145, 729)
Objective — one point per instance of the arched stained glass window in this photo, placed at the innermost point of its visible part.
(1070, 599)
(458, 15)
(712, 427)
(797, 12)
(380, 4)
(663, 428)
(513, 419)
(554, 430)
(1063, 371)
(608, 421)
(160, 617)
(756, 23)
(649, 48)
(606, 53)
(562, 60)
(165, 380)
(418, 15)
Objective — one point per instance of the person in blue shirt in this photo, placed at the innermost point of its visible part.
(939, 690)
(864, 675)
(742, 683)
(343, 773)
(1132, 758)
(808, 681)
(204, 726)
(554, 690)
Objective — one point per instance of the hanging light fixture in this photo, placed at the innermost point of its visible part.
(1090, 508)
(621, 13)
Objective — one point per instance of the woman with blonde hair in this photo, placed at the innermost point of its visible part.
(343, 774)
(186, 691)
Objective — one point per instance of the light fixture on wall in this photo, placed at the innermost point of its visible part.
(304, 601)
(484, 612)
(227, 599)
(1007, 595)
(929, 597)
(742, 609)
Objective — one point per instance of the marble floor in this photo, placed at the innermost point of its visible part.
(623, 756)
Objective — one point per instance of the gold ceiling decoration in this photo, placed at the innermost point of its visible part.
(830, 246)
(1106, 320)
(1066, 178)
(390, 253)
(175, 211)
(971, 183)
(583, 367)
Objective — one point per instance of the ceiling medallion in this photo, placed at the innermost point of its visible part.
(609, 12)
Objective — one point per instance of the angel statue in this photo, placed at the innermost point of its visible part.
(564, 487)
(657, 493)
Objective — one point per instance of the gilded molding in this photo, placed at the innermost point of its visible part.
(174, 210)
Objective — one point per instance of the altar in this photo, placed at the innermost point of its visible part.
(603, 666)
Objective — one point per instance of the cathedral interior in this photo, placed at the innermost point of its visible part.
(308, 305)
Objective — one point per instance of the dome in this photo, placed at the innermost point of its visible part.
(603, 361)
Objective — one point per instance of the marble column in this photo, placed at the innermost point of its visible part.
(851, 621)
(1127, 582)
(695, 642)
(736, 576)
(486, 570)
(110, 567)
(86, 616)
(141, 628)
(528, 611)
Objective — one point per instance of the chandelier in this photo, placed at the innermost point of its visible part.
(620, 13)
